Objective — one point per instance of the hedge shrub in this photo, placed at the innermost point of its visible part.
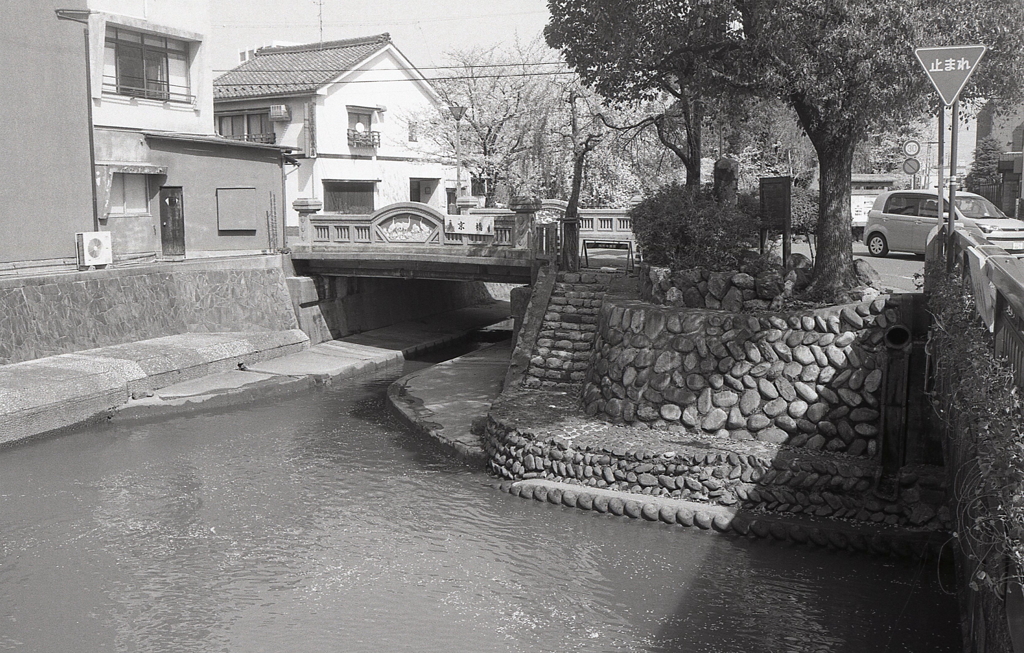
(683, 228)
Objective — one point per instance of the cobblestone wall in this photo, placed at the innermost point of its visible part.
(566, 337)
(730, 291)
(56, 314)
(759, 478)
(811, 380)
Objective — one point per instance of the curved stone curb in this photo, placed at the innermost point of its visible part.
(725, 520)
(419, 418)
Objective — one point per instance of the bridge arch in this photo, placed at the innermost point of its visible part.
(551, 211)
(408, 222)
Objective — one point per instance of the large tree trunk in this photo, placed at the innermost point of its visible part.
(694, 131)
(833, 271)
(691, 113)
(570, 255)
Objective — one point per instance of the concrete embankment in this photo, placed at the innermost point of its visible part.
(164, 375)
(449, 401)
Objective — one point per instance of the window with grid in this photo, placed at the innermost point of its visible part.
(349, 197)
(145, 65)
(252, 127)
(129, 194)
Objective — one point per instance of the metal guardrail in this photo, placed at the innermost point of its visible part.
(998, 281)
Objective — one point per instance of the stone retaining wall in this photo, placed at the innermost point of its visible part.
(856, 538)
(55, 314)
(566, 337)
(812, 380)
(730, 291)
(778, 481)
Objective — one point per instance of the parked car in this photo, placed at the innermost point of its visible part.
(901, 220)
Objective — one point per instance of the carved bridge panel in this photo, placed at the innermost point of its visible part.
(405, 223)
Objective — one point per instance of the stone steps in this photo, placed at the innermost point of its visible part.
(561, 354)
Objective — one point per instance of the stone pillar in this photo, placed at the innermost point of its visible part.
(727, 175)
(306, 206)
(464, 204)
(525, 208)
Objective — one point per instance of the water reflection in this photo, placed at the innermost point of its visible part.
(316, 523)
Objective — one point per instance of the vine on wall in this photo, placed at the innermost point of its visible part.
(983, 417)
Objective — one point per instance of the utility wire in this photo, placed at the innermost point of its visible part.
(398, 79)
(406, 21)
(346, 70)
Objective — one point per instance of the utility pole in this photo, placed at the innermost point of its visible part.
(457, 113)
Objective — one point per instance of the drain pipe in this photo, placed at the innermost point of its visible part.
(893, 427)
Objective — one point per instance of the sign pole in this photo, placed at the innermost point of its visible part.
(940, 169)
(942, 150)
(948, 69)
(954, 120)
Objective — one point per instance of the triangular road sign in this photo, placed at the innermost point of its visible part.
(950, 68)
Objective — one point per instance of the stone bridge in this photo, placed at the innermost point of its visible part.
(411, 240)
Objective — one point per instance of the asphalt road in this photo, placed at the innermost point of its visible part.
(897, 269)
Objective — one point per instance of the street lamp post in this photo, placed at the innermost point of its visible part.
(457, 113)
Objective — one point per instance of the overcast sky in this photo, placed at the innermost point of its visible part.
(422, 29)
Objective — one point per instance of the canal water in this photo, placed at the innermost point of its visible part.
(316, 522)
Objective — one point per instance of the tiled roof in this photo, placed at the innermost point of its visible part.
(295, 69)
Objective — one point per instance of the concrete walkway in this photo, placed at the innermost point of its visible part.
(166, 375)
(450, 400)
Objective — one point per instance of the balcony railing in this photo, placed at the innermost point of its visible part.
(149, 90)
(358, 138)
(269, 139)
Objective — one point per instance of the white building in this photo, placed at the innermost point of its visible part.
(167, 186)
(349, 110)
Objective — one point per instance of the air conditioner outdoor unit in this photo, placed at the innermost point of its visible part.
(94, 248)
(280, 113)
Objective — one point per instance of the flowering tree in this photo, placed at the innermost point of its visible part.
(845, 67)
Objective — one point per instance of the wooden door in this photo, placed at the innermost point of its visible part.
(172, 221)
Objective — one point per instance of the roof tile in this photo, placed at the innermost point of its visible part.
(295, 69)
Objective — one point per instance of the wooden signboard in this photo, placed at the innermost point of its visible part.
(776, 210)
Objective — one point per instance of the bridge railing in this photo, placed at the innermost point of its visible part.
(332, 229)
(414, 224)
(606, 224)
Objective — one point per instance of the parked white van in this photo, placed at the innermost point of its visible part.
(901, 220)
